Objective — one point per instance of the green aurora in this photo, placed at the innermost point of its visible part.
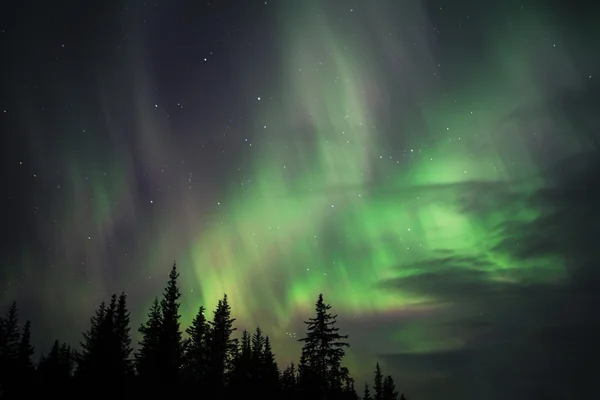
(353, 181)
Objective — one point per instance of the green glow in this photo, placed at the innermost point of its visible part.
(329, 203)
(313, 222)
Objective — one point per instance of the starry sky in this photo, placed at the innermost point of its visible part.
(430, 166)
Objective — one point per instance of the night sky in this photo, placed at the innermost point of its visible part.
(431, 167)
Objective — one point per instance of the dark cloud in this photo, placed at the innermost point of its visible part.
(525, 339)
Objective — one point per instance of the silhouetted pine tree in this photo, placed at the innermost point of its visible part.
(92, 346)
(349, 391)
(101, 358)
(258, 346)
(55, 370)
(24, 365)
(378, 383)
(147, 358)
(197, 349)
(171, 342)
(321, 372)
(367, 393)
(122, 332)
(222, 346)
(389, 389)
(241, 376)
(10, 336)
(215, 365)
(9, 341)
(269, 372)
(289, 382)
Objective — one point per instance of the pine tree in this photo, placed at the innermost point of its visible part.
(240, 379)
(57, 367)
(378, 383)
(94, 360)
(258, 346)
(389, 389)
(9, 338)
(256, 366)
(222, 346)
(148, 356)
(25, 352)
(367, 393)
(109, 345)
(171, 342)
(122, 332)
(197, 347)
(289, 382)
(349, 390)
(322, 374)
(106, 345)
(269, 367)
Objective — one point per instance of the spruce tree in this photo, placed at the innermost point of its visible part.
(106, 346)
(241, 377)
(9, 339)
(95, 360)
(289, 382)
(367, 393)
(322, 374)
(171, 342)
(122, 332)
(349, 390)
(256, 365)
(389, 389)
(10, 336)
(269, 367)
(57, 367)
(197, 347)
(378, 383)
(222, 345)
(147, 357)
(258, 346)
(25, 352)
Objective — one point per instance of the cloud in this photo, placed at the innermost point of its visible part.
(523, 335)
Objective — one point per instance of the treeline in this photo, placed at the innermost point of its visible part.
(207, 362)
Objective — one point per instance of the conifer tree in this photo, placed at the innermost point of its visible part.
(222, 345)
(58, 365)
(24, 364)
(389, 389)
(258, 346)
(9, 338)
(241, 382)
(95, 360)
(269, 364)
(122, 332)
(197, 347)
(269, 372)
(148, 356)
(367, 393)
(378, 383)
(349, 391)
(9, 350)
(322, 353)
(106, 345)
(171, 342)
(289, 382)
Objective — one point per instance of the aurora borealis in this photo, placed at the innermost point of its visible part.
(428, 166)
